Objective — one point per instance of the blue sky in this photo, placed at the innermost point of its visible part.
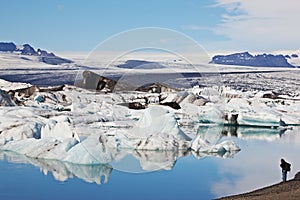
(66, 25)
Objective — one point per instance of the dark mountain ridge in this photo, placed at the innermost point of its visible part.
(26, 49)
(246, 59)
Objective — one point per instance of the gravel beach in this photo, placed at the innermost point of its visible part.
(284, 190)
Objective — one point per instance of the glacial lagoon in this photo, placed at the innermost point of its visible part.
(201, 176)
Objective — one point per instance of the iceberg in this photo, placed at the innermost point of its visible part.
(80, 126)
(59, 128)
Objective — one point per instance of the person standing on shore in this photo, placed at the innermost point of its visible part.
(286, 167)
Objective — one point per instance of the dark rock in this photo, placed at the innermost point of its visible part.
(49, 58)
(231, 119)
(297, 176)
(5, 99)
(24, 92)
(93, 81)
(282, 123)
(294, 55)
(52, 89)
(7, 46)
(134, 105)
(28, 50)
(17, 94)
(246, 59)
(174, 105)
(270, 95)
(45, 53)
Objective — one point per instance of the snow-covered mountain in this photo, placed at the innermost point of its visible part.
(26, 49)
(260, 60)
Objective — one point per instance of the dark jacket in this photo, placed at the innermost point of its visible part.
(285, 165)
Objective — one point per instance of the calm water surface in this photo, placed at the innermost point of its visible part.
(207, 177)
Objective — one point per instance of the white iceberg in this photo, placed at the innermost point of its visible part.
(60, 128)
(94, 128)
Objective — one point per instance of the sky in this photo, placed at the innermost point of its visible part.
(217, 25)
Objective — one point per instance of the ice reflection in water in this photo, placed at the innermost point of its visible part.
(251, 140)
(132, 161)
(63, 171)
(244, 132)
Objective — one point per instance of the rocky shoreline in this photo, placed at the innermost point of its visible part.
(283, 190)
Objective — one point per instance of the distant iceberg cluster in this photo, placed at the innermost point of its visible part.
(82, 126)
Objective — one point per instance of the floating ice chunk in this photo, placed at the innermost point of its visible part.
(211, 94)
(31, 147)
(258, 119)
(157, 129)
(289, 111)
(18, 123)
(238, 105)
(157, 120)
(210, 113)
(120, 112)
(190, 98)
(168, 97)
(60, 128)
(60, 152)
(190, 113)
(253, 113)
(90, 151)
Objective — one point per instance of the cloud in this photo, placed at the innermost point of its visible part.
(256, 24)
